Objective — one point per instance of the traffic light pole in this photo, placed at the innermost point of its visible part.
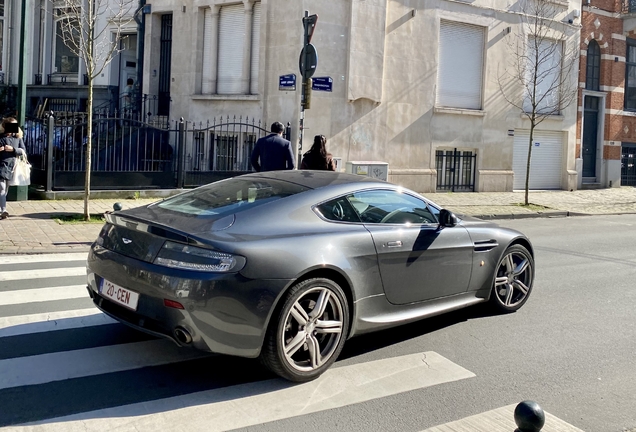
(303, 95)
(308, 63)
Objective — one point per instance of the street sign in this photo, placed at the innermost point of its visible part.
(322, 84)
(308, 61)
(309, 23)
(287, 82)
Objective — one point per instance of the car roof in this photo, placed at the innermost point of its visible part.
(316, 179)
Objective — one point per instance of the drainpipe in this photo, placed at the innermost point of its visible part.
(22, 72)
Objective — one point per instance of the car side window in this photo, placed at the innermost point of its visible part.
(338, 210)
(391, 207)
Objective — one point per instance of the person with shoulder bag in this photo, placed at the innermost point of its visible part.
(317, 157)
(11, 146)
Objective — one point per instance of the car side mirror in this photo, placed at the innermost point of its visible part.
(447, 218)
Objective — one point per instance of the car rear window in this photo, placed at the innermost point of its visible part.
(230, 196)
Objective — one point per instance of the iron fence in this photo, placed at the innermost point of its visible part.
(128, 153)
(456, 170)
(628, 165)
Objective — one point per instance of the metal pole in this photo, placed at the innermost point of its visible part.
(23, 65)
(181, 155)
(303, 94)
(50, 136)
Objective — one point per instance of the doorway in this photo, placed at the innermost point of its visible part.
(589, 145)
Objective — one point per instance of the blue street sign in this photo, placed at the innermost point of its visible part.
(287, 82)
(322, 84)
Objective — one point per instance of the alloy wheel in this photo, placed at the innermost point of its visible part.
(313, 329)
(513, 281)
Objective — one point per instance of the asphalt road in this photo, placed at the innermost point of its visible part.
(572, 348)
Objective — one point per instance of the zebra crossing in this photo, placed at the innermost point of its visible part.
(65, 366)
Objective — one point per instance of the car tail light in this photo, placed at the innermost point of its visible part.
(187, 257)
(172, 304)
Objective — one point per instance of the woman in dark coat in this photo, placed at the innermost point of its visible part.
(317, 157)
(11, 145)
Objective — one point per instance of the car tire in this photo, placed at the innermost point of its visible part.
(307, 333)
(513, 279)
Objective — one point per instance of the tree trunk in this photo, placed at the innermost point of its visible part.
(529, 158)
(89, 141)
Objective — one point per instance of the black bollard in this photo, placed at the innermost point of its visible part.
(117, 206)
(529, 417)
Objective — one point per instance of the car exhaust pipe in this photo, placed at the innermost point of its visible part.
(182, 335)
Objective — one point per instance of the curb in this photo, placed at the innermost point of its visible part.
(536, 215)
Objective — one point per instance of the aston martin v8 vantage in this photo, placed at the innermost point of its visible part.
(288, 265)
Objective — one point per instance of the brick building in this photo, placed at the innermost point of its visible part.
(606, 122)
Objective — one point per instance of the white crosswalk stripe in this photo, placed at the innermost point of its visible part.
(41, 274)
(23, 259)
(43, 294)
(52, 321)
(46, 368)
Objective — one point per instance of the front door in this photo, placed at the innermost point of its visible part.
(418, 260)
(590, 135)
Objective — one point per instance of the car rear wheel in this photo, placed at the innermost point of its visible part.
(513, 279)
(307, 334)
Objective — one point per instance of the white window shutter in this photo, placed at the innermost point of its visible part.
(231, 41)
(461, 61)
(256, 44)
(206, 84)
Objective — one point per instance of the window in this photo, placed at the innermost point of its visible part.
(225, 45)
(390, 207)
(230, 196)
(66, 39)
(461, 62)
(544, 60)
(339, 210)
(593, 70)
(630, 76)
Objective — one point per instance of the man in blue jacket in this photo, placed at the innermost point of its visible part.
(273, 152)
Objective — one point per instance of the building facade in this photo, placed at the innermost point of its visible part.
(606, 124)
(415, 84)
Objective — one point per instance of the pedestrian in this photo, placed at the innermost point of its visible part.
(273, 152)
(317, 157)
(11, 145)
(128, 94)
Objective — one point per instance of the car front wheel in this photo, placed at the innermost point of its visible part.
(513, 279)
(309, 331)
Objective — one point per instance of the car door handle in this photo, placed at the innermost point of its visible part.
(397, 243)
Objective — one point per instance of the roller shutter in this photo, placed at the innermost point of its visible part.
(546, 164)
(461, 60)
(231, 44)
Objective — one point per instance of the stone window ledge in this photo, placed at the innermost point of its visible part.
(204, 97)
(461, 111)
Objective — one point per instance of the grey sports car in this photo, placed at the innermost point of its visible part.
(287, 265)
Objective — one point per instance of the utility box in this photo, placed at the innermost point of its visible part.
(18, 193)
(373, 169)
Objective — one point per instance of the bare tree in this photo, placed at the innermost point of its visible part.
(542, 60)
(92, 30)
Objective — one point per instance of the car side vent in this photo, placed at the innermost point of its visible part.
(485, 245)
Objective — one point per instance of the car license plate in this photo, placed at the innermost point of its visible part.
(119, 295)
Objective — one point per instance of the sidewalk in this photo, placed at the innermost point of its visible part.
(31, 227)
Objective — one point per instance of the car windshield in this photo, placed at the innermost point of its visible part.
(230, 196)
